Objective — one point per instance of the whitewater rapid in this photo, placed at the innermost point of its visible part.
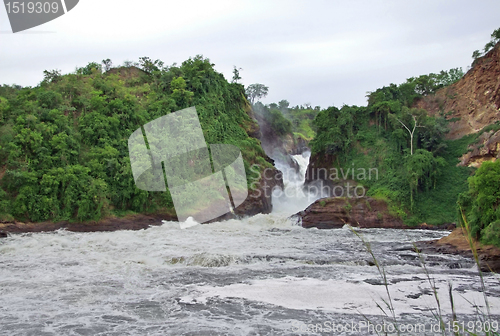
(262, 275)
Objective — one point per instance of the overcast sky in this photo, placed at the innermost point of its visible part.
(316, 51)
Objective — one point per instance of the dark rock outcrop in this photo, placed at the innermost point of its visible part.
(319, 172)
(259, 200)
(363, 212)
(486, 148)
(457, 243)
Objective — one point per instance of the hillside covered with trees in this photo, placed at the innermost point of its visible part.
(63, 144)
(421, 171)
(416, 165)
(64, 152)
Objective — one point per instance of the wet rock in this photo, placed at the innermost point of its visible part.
(3, 234)
(457, 243)
(414, 296)
(363, 212)
(259, 200)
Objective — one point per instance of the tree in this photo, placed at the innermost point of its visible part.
(4, 106)
(128, 64)
(89, 69)
(481, 204)
(476, 54)
(256, 91)
(423, 170)
(495, 37)
(236, 74)
(107, 64)
(283, 105)
(179, 93)
(51, 76)
(150, 66)
(416, 117)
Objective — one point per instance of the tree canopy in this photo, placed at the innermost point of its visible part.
(256, 91)
(63, 144)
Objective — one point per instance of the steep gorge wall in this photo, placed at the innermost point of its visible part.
(471, 104)
(474, 101)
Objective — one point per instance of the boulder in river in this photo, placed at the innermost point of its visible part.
(363, 212)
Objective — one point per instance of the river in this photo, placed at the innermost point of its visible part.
(263, 275)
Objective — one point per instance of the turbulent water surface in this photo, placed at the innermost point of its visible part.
(263, 275)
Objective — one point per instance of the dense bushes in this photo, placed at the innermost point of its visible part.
(416, 175)
(63, 144)
(481, 203)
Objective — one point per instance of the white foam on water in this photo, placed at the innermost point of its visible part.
(293, 198)
(72, 279)
(190, 222)
(349, 295)
(136, 282)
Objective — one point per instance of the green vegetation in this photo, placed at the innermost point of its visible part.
(495, 37)
(418, 175)
(418, 172)
(481, 203)
(64, 143)
(301, 118)
(274, 118)
(289, 120)
(253, 91)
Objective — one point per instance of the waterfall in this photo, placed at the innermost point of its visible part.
(293, 198)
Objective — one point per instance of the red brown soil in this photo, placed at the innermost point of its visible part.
(474, 100)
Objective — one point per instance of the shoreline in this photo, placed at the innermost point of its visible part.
(457, 243)
(143, 221)
(127, 222)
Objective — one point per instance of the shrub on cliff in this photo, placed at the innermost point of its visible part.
(495, 37)
(481, 203)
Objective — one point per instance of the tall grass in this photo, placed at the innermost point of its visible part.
(437, 312)
(388, 303)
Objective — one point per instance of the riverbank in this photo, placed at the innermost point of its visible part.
(457, 243)
(362, 212)
(128, 222)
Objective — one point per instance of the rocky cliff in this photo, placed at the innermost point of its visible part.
(474, 101)
(471, 104)
(486, 148)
